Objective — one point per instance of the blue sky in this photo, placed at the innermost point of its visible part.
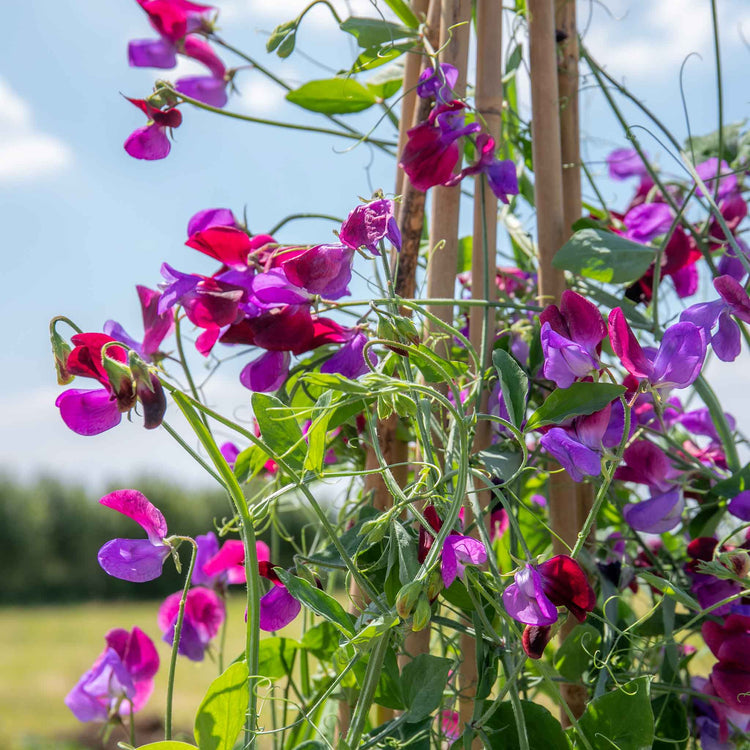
(84, 223)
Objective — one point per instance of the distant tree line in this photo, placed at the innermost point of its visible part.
(51, 531)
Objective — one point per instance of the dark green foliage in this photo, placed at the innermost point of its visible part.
(51, 531)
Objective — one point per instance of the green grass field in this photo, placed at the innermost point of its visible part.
(46, 649)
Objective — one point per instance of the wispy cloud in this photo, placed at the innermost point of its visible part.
(26, 152)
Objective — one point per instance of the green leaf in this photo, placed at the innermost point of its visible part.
(579, 399)
(671, 731)
(404, 12)
(250, 463)
(321, 640)
(621, 719)
(318, 433)
(276, 657)
(706, 146)
(458, 596)
(500, 461)
(283, 38)
(166, 745)
(423, 680)
(669, 589)
(374, 32)
(430, 365)
(386, 88)
(279, 429)
(732, 486)
(338, 383)
(542, 729)
(604, 256)
(374, 57)
(574, 656)
(514, 384)
(221, 715)
(332, 96)
(407, 552)
(463, 263)
(514, 59)
(318, 601)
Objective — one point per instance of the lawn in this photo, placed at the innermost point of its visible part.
(48, 648)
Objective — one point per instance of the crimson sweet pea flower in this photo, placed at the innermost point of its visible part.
(151, 141)
(121, 678)
(677, 362)
(204, 614)
(538, 590)
(136, 560)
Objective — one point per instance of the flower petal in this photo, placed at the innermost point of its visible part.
(137, 506)
(566, 585)
(277, 609)
(526, 601)
(88, 412)
(135, 560)
(658, 514)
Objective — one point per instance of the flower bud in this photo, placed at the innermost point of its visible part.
(739, 562)
(373, 531)
(535, 640)
(407, 598)
(60, 350)
(387, 330)
(407, 329)
(434, 585)
(120, 380)
(422, 614)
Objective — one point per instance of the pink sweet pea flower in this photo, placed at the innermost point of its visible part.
(324, 269)
(122, 676)
(676, 364)
(709, 170)
(135, 560)
(369, 224)
(174, 19)
(211, 217)
(230, 560)
(458, 552)
(151, 141)
(204, 614)
(646, 221)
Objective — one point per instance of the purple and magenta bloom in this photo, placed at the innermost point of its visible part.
(121, 679)
(677, 362)
(500, 173)
(369, 224)
(709, 170)
(211, 217)
(734, 302)
(326, 270)
(204, 615)
(349, 361)
(706, 588)
(267, 373)
(458, 552)
(151, 142)
(646, 221)
(438, 83)
(538, 590)
(626, 162)
(136, 560)
(174, 19)
(571, 338)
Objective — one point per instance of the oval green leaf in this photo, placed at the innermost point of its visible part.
(221, 715)
(577, 400)
(332, 96)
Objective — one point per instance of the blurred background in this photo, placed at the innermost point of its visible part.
(83, 223)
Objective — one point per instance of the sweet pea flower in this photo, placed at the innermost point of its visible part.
(708, 172)
(228, 563)
(156, 327)
(369, 224)
(210, 89)
(458, 552)
(734, 301)
(677, 362)
(626, 162)
(450, 724)
(135, 560)
(501, 174)
(438, 83)
(706, 588)
(151, 141)
(174, 19)
(121, 678)
(538, 590)
(646, 221)
(431, 151)
(571, 338)
(327, 269)
(204, 614)
(349, 361)
(211, 217)
(730, 263)
(152, 53)
(267, 373)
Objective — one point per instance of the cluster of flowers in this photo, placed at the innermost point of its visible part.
(434, 147)
(180, 25)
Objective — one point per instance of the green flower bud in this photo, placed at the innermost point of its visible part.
(407, 598)
(422, 614)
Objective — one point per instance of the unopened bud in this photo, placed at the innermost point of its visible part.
(434, 585)
(407, 329)
(535, 640)
(373, 531)
(422, 614)
(388, 331)
(407, 598)
(739, 562)
(60, 351)
(120, 380)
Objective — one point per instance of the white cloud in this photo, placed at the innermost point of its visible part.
(278, 11)
(258, 96)
(25, 152)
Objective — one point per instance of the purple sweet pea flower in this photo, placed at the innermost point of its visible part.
(645, 463)
(208, 547)
(458, 552)
(273, 288)
(204, 614)
(88, 411)
(438, 83)
(207, 89)
(726, 341)
(646, 221)
(122, 676)
(151, 141)
(152, 53)
(676, 364)
(571, 337)
(708, 171)
(135, 560)
(526, 601)
(267, 373)
(730, 264)
(739, 506)
(349, 361)
(577, 459)
(369, 224)
(625, 162)
(501, 174)
(658, 514)
(210, 217)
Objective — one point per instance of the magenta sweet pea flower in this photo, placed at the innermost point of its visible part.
(708, 172)
(450, 724)
(267, 373)
(730, 644)
(369, 224)
(135, 560)
(645, 463)
(676, 364)
(726, 340)
(625, 162)
(230, 561)
(571, 338)
(438, 83)
(431, 151)
(121, 678)
(538, 590)
(211, 217)
(327, 269)
(458, 552)
(708, 589)
(646, 221)
(349, 361)
(174, 19)
(204, 614)
(152, 53)
(151, 142)
(500, 173)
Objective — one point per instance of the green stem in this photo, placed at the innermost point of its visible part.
(278, 124)
(719, 92)
(178, 439)
(183, 359)
(369, 685)
(176, 640)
